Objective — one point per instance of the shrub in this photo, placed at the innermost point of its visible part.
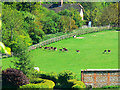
(51, 76)
(66, 75)
(77, 86)
(74, 83)
(49, 83)
(13, 78)
(36, 80)
(31, 85)
(39, 83)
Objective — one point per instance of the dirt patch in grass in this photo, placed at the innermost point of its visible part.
(79, 37)
(93, 35)
(114, 31)
(101, 33)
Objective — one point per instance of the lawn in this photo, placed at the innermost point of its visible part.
(91, 55)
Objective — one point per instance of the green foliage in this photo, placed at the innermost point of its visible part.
(51, 76)
(49, 36)
(66, 75)
(36, 80)
(67, 24)
(74, 14)
(39, 83)
(76, 84)
(22, 61)
(34, 86)
(13, 78)
(48, 19)
(13, 29)
(93, 11)
(4, 49)
(109, 15)
(49, 83)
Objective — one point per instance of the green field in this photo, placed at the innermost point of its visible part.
(90, 57)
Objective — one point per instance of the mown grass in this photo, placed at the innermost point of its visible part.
(90, 57)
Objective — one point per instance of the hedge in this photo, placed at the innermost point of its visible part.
(40, 83)
(51, 76)
(76, 84)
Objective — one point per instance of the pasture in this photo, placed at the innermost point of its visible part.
(91, 55)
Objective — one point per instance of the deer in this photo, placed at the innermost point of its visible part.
(105, 51)
(65, 49)
(78, 51)
(55, 48)
(109, 51)
(60, 49)
(45, 47)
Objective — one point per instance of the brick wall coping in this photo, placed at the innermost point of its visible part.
(101, 70)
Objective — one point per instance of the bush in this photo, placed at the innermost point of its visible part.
(77, 86)
(13, 78)
(66, 75)
(39, 83)
(36, 80)
(51, 76)
(34, 86)
(74, 83)
(49, 83)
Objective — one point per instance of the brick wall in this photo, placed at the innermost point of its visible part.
(101, 77)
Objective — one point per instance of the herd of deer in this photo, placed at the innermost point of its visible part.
(65, 49)
(105, 51)
(55, 49)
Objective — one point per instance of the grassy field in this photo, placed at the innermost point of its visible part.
(90, 57)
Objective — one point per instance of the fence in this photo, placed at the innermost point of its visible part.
(101, 77)
(75, 32)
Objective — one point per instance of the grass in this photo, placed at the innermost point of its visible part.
(90, 56)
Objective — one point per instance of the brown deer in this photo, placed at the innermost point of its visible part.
(65, 49)
(55, 48)
(105, 51)
(78, 51)
(109, 51)
(60, 49)
(45, 47)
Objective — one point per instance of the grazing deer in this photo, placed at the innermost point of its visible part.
(78, 51)
(55, 48)
(60, 49)
(49, 48)
(65, 49)
(52, 48)
(45, 47)
(109, 51)
(105, 51)
(40, 47)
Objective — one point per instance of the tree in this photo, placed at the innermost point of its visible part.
(93, 10)
(13, 26)
(22, 61)
(67, 24)
(73, 14)
(109, 15)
